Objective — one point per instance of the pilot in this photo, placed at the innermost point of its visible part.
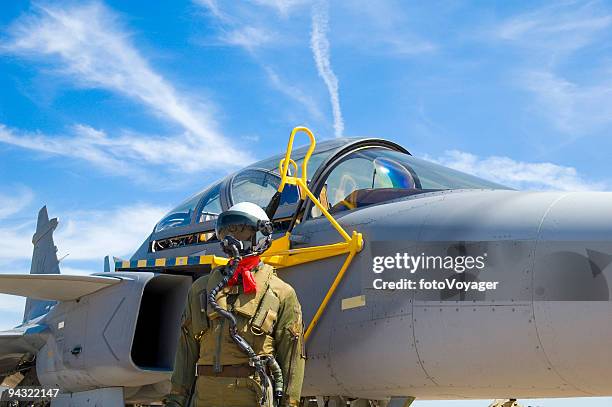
(241, 339)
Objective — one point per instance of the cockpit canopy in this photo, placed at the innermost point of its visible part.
(345, 180)
(207, 205)
(375, 175)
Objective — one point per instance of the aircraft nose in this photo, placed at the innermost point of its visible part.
(550, 318)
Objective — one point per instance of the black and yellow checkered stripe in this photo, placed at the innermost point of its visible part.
(164, 262)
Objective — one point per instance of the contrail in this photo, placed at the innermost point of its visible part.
(320, 51)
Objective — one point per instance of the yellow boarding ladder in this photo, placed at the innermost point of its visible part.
(281, 255)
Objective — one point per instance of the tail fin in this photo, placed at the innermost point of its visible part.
(44, 261)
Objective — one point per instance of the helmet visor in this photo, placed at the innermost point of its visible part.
(239, 225)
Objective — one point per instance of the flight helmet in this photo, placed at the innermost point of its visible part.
(246, 226)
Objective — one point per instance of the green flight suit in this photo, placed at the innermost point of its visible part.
(270, 320)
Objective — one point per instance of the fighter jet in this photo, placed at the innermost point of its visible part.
(543, 331)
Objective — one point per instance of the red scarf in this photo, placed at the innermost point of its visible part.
(244, 269)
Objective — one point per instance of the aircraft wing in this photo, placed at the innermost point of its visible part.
(58, 287)
(21, 343)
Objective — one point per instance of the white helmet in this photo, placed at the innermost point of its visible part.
(242, 222)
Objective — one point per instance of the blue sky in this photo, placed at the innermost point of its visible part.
(112, 112)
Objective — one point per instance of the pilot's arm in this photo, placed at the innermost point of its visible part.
(187, 353)
(289, 338)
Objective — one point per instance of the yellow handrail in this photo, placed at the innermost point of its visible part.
(281, 255)
(284, 163)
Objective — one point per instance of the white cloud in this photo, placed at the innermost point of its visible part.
(213, 7)
(518, 174)
(294, 92)
(250, 29)
(17, 242)
(11, 303)
(11, 311)
(82, 142)
(549, 38)
(13, 202)
(321, 53)
(282, 7)
(559, 27)
(15, 235)
(249, 37)
(87, 235)
(91, 235)
(569, 106)
(87, 44)
(239, 26)
(386, 28)
(122, 154)
(406, 45)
